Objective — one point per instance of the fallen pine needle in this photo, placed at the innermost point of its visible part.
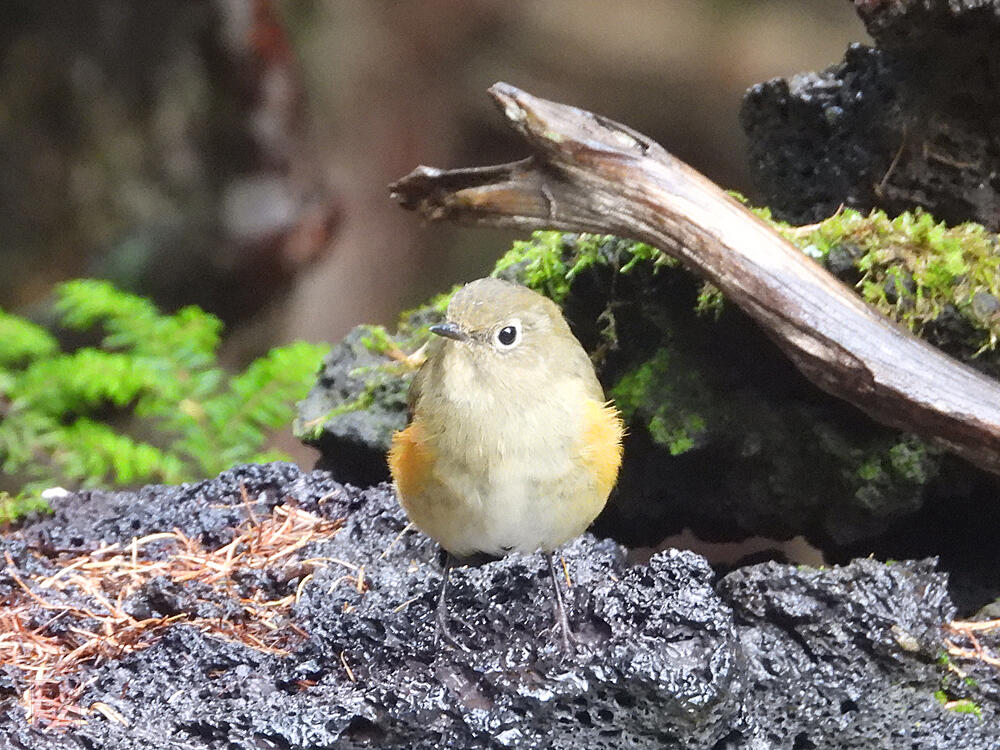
(90, 592)
(347, 668)
(301, 587)
(565, 567)
(395, 539)
(970, 630)
(404, 605)
(108, 712)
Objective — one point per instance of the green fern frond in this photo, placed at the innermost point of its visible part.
(257, 401)
(190, 336)
(96, 453)
(149, 404)
(81, 381)
(84, 303)
(22, 341)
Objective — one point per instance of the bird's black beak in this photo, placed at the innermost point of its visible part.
(450, 331)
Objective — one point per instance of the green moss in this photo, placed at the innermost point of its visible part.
(634, 388)
(913, 268)
(377, 339)
(540, 264)
(678, 438)
(549, 261)
(889, 469)
(711, 301)
(909, 460)
(667, 399)
(961, 706)
(966, 706)
(312, 429)
(905, 459)
(956, 688)
(870, 469)
(13, 507)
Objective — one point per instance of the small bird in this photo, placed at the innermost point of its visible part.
(511, 445)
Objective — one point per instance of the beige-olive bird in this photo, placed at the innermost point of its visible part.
(511, 445)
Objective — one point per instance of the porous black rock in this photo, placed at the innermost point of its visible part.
(771, 656)
(909, 123)
(926, 24)
(352, 410)
(88, 518)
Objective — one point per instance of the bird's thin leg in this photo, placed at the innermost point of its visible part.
(441, 630)
(562, 622)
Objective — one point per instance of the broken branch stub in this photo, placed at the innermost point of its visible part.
(589, 174)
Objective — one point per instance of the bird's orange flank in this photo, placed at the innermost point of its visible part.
(410, 459)
(603, 431)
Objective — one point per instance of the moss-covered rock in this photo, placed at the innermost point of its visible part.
(941, 282)
(360, 397)
(725, 436)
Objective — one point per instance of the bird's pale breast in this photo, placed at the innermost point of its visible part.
(519, 481)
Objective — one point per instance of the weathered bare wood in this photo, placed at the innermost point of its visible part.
(590, 174)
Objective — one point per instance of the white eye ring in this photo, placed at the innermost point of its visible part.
(508, 335)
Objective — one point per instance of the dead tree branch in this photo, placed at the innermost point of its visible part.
(590, 174)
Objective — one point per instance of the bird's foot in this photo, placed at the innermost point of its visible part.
(443, 634)
(563, 636)
(561, 629)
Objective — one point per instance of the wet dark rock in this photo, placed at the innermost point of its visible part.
(985, 305)
(162, 597)
(805, 163)
(771, 656)
(95, 516)
(330, 419)
(923, 24)
(911, 122)
(841, 261)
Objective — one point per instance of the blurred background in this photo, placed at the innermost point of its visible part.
(235, 153)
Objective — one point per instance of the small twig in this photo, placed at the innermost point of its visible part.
(405, 604)
(108, 712)
(347, 668)
(565, 567)
(395, 539)
(974, 625)
(880, 187)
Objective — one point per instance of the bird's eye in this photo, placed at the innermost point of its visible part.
(509, 335)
